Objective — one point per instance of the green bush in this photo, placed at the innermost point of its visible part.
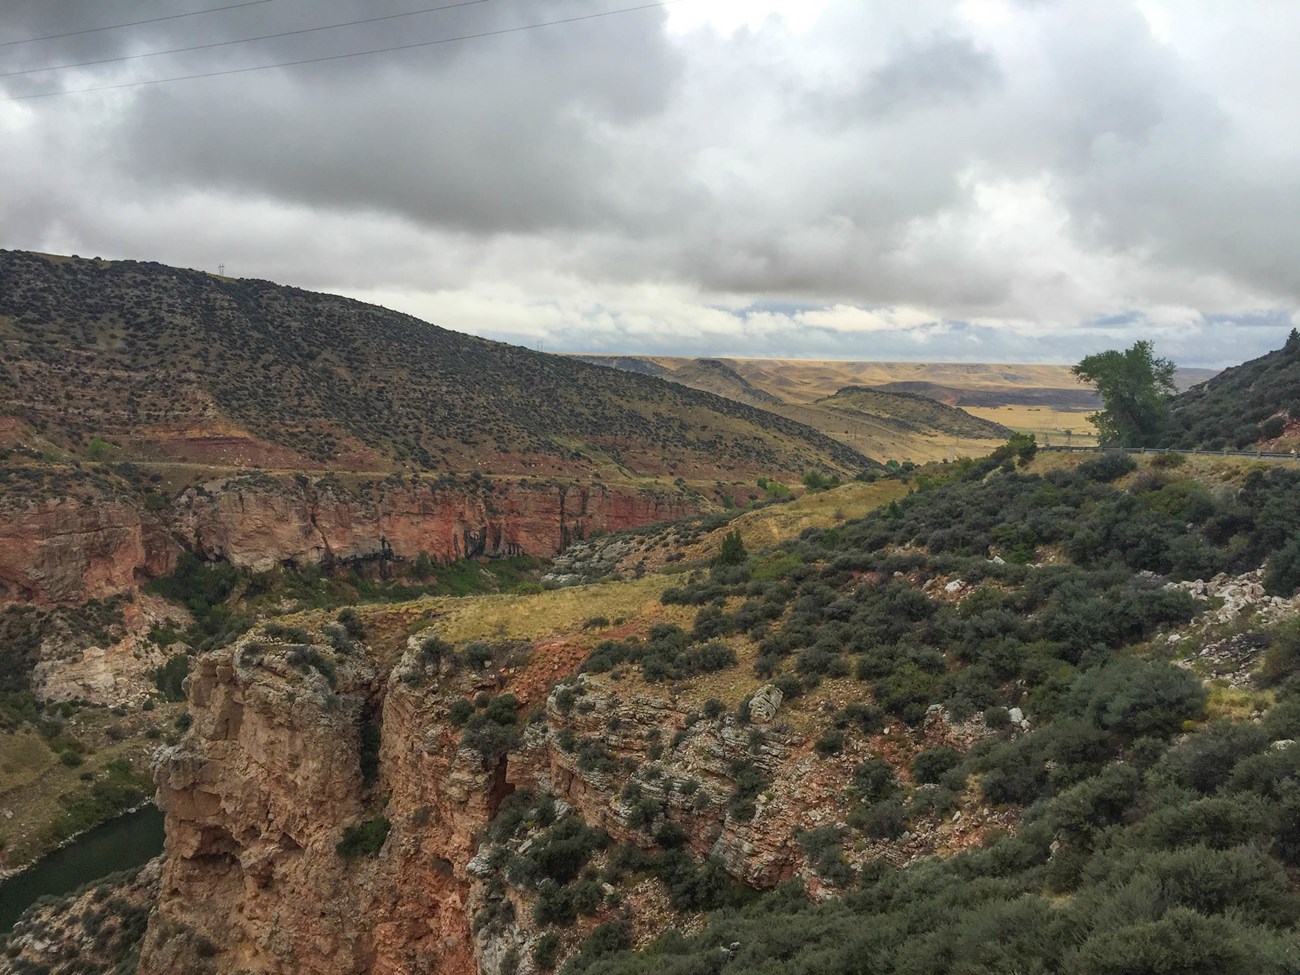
(1135, 698)
(546, 951)
(931, 764)
(733, 550)
(363, 839)
(170, 677)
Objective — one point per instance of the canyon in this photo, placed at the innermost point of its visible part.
(273, 772)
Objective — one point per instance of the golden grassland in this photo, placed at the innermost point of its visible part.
(804, 380)
(1051, 427)
(815, 509)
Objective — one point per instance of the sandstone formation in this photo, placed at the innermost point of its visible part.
(260, 791)
(68, 550)
(266, 523)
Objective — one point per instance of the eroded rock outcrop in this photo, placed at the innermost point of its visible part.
(68, 550)
(264, 523)
(262, 788)
(117, 670)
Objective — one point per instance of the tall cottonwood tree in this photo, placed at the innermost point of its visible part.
(1135, 387)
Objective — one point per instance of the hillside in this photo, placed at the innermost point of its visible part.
(901, 428)
(125, 360)
(915, 413)
(1058, 398)
(1256, 404)
(716, 376)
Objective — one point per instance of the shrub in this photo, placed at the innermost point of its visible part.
(874, 780)
(546, 951)
(1282, 576)
(885, 820)
(170, 677)
(1135, 698)
(749, 782)
(352, 623)
(607, 939)
(1206, 760)
(1110, 466)
(733, 550)
(460, 711)
(930, 765)
(1282, 658)
(830, 743)
(495, 730)
(363, 839)
(867, 718)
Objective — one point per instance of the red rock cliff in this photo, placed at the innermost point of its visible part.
(70, 550)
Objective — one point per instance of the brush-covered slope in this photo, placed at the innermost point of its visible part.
(179, 364)
(1254, 404)
(911, 412)
(1037, 715)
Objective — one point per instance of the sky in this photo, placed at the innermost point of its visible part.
(975, 180)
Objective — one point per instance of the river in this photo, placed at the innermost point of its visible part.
(127, 841)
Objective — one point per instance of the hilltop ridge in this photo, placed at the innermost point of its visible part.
(180, 365)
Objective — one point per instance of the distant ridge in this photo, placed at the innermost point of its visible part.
(916, 413)
(1079, 399)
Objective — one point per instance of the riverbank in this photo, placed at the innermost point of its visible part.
(72, 770)
(124, 843)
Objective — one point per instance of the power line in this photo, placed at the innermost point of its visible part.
(134, 23)
(351, 54)
(245, 40)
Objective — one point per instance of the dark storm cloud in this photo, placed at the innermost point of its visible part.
(1011, 170)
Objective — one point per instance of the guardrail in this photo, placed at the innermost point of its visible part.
(1261, 454)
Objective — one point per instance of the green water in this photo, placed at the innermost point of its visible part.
(128, 841)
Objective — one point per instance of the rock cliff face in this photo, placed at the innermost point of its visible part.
(268, 523)
(63, 551)
(69, 551)
(260, 791)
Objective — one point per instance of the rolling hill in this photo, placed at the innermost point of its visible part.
(896, 426)
(127, 360)
(910, 412)
(1255, 403)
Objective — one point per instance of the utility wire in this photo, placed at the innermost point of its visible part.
(351, 54)
(134, 23)
(245, 40)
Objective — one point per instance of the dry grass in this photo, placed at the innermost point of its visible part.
(1051, 427)
(556, 613)
(1234, 703)
(820, 509)
(808, 379)
(24, 757)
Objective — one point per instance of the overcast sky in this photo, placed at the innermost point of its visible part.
(1026, 180)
